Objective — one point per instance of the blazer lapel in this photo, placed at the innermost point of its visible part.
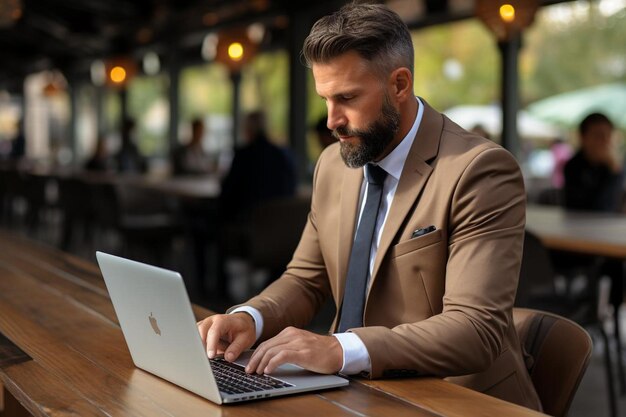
(414, 176)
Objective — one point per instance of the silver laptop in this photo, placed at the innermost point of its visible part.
(155, 314)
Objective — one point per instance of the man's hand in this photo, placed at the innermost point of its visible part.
(322, 354)
(227, 334)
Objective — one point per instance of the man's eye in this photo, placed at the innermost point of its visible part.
(347, 98)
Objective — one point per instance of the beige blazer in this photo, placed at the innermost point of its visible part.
(439, 304)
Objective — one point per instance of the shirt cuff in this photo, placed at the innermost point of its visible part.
(256, 316)
(356, 358)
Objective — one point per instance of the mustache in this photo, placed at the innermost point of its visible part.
(344, 131)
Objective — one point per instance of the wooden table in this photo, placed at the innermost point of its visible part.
(62, 353)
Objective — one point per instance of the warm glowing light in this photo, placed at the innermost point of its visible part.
(507, 13)
(235, 51)
(118, 74)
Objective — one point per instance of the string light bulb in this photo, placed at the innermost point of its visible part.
(118, 74)
(235, 51)
(507, 13)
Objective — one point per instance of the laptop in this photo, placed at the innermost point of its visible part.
(160, 329)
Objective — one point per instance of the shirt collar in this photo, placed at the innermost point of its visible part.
(394, 162)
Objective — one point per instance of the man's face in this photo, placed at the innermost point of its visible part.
(360, 113)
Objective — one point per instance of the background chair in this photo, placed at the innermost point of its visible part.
(142, 218)
(585, 304)
(257, 245)
(556, 368)
(276, 228)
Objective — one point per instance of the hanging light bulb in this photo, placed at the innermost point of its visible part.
(507, 13)
(117, 74)
(506, 18)
(235, 51)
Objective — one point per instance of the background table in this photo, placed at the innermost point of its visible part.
(589, 233)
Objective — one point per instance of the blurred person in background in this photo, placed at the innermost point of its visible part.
(100, 160)
(260, 170)
(594, 182)
(18, 145)
(128, 159)
(594, 176)
(561, 153)
(190, 158)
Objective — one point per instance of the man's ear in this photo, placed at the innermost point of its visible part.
(401, 81)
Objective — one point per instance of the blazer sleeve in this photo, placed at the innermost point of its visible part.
(485, 238)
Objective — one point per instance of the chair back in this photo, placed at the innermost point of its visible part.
(276, 228)
(536, 273)
(557, 354)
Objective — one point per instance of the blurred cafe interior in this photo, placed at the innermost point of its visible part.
(121, 122)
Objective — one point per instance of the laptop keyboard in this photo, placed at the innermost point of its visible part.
(233, 379)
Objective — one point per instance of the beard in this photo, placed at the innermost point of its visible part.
(374, 139)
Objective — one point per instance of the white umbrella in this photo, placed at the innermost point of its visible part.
(490, 118)
(568, 109)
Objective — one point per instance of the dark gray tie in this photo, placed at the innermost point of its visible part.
(358, 268)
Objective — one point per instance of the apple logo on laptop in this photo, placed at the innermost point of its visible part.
(154, 324)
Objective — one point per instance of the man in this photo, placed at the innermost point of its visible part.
(443, 264)
(594, 181)
(593, 177)
(191, 159)
(260, 170)
(128, 159)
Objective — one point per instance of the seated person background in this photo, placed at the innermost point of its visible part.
(260, 171)
(128, 159)
(594, 182)
(100, 160)
(593, 177)
(190, 158)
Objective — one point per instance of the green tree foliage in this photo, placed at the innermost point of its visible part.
(265, 86)
(580, 47)
(456, 64)
(205, 89)
(147, 98)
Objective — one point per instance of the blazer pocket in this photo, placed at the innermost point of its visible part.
(411, 245)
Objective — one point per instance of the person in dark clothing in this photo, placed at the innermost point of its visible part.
(593, 176)
(128, 159)
(260, 171)
(100, 160)
(191, 159)
(594, 182)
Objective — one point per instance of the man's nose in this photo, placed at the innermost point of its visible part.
(336, 117)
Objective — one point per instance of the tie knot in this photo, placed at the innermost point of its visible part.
(375, 174)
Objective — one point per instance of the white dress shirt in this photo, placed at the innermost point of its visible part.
(355, 356)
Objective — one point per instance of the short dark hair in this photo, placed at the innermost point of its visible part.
(373, 31)
(592, 119)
